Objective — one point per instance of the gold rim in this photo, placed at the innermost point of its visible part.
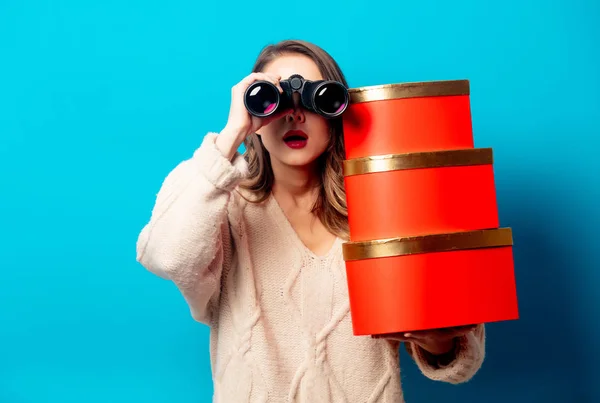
(489, 238)
(409, 90)
(431, 159)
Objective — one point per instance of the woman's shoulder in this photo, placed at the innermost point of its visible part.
(245, 201)
(241, 197)
(245, 209)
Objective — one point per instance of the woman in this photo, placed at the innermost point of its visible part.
(254, 242)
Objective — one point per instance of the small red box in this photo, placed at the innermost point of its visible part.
(425, 250)
(404, 118)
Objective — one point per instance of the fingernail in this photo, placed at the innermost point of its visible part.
(407, 334)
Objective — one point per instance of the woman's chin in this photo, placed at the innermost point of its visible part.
(299, 159)
(305, 156)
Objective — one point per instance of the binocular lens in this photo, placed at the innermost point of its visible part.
(262, 98)
(331, 99)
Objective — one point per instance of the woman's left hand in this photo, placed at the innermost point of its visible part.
(435, 341)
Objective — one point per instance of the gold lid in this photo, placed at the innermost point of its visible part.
(488, 238)
(417, 160)
(409, 90)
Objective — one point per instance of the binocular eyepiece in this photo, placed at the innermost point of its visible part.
(326, 98)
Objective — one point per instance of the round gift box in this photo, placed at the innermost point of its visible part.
(430, 282)
(420, 193)
(408, 117)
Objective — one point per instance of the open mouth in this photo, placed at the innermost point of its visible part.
(295, 135)
(295, 138)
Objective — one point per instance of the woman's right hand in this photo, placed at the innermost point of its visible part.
(240, 123)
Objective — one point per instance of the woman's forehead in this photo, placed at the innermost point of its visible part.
(287, 65)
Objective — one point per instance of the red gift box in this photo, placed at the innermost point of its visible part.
(425, 250)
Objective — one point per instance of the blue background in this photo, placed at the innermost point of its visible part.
(100, 99)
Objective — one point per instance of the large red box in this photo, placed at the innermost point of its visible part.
(425, 250)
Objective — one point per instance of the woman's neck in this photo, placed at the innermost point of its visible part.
(297, 186)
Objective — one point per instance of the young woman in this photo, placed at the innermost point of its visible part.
(253, 243)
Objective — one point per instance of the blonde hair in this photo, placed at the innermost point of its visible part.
(330, 206)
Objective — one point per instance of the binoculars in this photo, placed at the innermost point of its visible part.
(326, 98)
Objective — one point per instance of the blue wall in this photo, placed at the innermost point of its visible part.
(99, 100)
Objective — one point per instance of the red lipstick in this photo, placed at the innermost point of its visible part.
(295, 139)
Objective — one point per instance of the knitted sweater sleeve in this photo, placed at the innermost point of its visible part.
(187, 239)
(467, 359)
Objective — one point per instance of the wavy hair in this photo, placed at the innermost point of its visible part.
(330, 206)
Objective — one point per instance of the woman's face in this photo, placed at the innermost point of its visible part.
(301, 137)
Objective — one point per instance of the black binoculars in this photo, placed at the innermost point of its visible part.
(326, 98)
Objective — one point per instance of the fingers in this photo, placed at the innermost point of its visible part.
(461, 330)
(423, 335)
(446, 331)
(258, 76)
(393, 336)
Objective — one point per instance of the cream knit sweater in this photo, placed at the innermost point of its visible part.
(279, 315)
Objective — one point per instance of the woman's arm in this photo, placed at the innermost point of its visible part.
(187, 239)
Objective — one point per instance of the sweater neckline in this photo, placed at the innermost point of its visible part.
(293, 235)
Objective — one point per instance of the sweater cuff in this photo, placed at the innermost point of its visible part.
(467, 359)
(221, 172)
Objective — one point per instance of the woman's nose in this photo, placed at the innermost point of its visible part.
(296, 116)
(298, 113)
